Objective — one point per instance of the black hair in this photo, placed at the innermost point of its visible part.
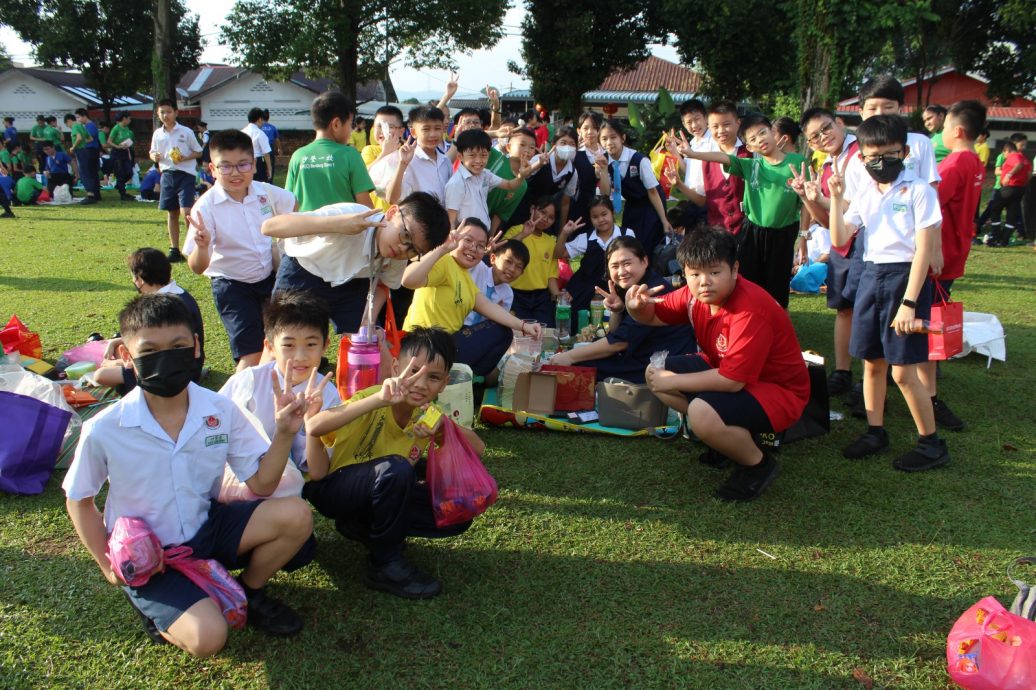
(329, 105)
(675, 215)
(202, 123)
(516, 247)
(52, 118)
(426, 113)
(154, 311)
(1009, 146)
(1017, 137)
(753, 120)
(692, 106)
(8, 118)
(788, 127)
(10, 146)
(882, 130)
(985, 132)
(937, 109)
(600, 200)
(628, 243)
(266, 113)
(230, 140)
(567, 131)
(40, 117)
(531, 116)
(430, 215)
(971, 116)
(104, 123)
(722, 108)
(391, 111)
(68, 116)
(544, 201)
(82, 111)
(44, 144)
(885, 86)
(513, 121)
(151, 266)
(295, 308)
(359, 120)
(472, 221)
(434, 343)
(614, 125)
(597, 118)
(166, 101)
(473, 139)
(706, 246)
(255, 114)
(522, 131)
(123, 115)
(468, 111)
(813, 114)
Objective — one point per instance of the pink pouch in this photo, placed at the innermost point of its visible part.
(990, 648)
(214, 580)
(92, 351)
(134, 551)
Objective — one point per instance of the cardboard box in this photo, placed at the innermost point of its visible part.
(534, 392)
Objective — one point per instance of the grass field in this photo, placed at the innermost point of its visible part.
(605, 563)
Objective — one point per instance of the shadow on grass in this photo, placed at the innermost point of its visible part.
(55, 284)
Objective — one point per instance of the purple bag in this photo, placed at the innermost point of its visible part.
(30, 443)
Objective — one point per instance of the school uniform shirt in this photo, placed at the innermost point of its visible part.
(499, 294)
(120, 134)
(95, 135)
(163, 142)
(1019, 179)
(446, 300)
(647, 173)
(982, 151)
(324, 172)
(260, 143)
(54, 136)
(252, 389)
(959, 193)
(693, 177)
(337, 259)
(920, 161)
(939, 149)
(11, 133)
(425, 174)
(468, 194)
(749, 339)
(381, 173)
(239, 250)
(568, 170)
(25, 187)
(374, 435)
(818, 243)
(78, 129)
(271, 132)
(169, 484)
(577, 247)
(541, 267)
(171, 288)
(768, 200)
(891, 219)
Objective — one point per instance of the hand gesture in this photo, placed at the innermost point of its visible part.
(684, 148)
(406, 151)
(639, 296)
(289, 409)
(390, 144)
(804, 183)
(670, 173)
(394, 390)
(202, 238)
(452, 242)
(601, 164)
(534, 328)
(493, 94)
(836, 183)
(496, 241)
(571, 226)
(612, 301)
(451, 86)
(314, 393)
(355, 223)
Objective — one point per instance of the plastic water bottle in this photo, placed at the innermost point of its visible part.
(563, 319)
(364, 360)
(584, 319)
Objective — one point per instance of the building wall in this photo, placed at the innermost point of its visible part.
(23, 97)
(227, 107)
(954, 87)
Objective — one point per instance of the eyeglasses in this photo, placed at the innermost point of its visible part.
(242, 167)
(407, 239)
(470, 242)
(885, 157)
(823, 131)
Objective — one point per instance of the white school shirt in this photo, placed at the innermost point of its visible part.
(819, 242)
(647, 174)
(502, 294)
(239, 250)
(170, 288)
(694, 174)
(260, 142)
(577, 247)
(891, 219)
(427, 175)
(252, 389)
(169, 484)
(920, 162)
(163, 142)
(572, 186)
(337, 259)
(467, 194)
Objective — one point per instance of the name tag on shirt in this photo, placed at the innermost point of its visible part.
(900, 208)
(216, 440)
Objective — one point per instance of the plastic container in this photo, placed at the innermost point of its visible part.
(364, 361)
(584, 319)
(563, 319)
(596, 312)
(79, 369)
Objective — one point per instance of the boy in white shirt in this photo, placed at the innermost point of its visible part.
(422, 167)
(468, 190)
(175, 149)
(507, 261)
(261, 148)
(227, 245)
(162, 450)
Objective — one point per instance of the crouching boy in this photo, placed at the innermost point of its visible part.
(162, 450)
(749, 377)
(370, 487)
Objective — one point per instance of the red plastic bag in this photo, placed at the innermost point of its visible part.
(460, 485)
(576, 386)
(16, 337)
(989, 648)
(946, 327)
(214, 580)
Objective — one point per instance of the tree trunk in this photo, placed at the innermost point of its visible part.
(161, 60)
(348, 55)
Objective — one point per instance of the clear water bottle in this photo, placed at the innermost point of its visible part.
(563, 319)
(364, 360)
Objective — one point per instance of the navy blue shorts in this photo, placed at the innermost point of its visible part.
(882, 287)
(177, 190)
(735, 409)
(240, 306)
(843, 276)
(535, 304)
(347, 301)
(168, 595)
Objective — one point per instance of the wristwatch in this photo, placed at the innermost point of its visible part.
(909, 303)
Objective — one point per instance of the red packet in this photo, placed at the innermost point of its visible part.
(576, 387)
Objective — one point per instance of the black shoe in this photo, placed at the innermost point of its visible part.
(7, 214)
(713, 459)
(149, 625)
(839, 382)
(869, 443)
(174, 255)
(127, 197)
(271, 616)
(88, 200)
(859, 410)
(402, 579)
(749, 483)
(945, 418)
(924, 456)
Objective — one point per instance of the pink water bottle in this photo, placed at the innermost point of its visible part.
(364, 360)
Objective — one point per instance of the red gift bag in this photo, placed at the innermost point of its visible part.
(460, 484)
(990, 648)
(576, 386)
(16, 337)
(946, 327)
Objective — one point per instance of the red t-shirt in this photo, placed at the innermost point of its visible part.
(751, 340)
(1019, 179)
(542, 136)
(962, 173)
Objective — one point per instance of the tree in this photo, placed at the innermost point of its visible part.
(1009, 59)
(354, 41)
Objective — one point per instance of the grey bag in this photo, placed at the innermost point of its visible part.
(629, 406)
(1024, 604)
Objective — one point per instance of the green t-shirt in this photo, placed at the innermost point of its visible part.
(325, 172)
(27, 159)
(24, 188)
(38, 132)
(503, 202)
(999, 164)
(53, 134)
(938, 148)
(119, 134)
(85, 138)
(102, 138)
(5, 158)
(768, 200)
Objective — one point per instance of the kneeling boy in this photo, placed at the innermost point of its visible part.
(370, 487)
(162, 450)
(749, 377)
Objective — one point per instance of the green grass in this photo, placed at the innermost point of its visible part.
(605, 563)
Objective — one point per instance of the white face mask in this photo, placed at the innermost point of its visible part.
(565, 153)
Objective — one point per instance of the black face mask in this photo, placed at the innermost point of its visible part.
(884, 170)
(166, 373)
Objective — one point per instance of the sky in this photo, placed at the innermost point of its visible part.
(476, 70)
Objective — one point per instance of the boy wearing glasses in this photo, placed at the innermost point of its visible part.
(225, 241)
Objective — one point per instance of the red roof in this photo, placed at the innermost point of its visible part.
(651, 74)
(993, 113)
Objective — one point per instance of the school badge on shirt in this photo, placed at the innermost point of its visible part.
(721, 343)
(212, 422)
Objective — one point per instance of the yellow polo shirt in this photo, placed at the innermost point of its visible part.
(374, 435)
(542, 264)
(446, 300)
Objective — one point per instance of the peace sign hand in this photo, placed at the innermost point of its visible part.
(639, 296)
(314, 393)
(202, 238)
(406, 151)
(836, 183)
(496, 241)
(394, 390)
(289, 408)
(612, 301)
(452, 85)
(571, 226)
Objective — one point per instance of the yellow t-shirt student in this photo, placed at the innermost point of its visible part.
(374, 435)
(542, 265)
(982, 151)
(446, 300)
(369, 154)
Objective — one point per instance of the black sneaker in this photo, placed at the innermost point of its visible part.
(174, 255)
(839, 382)
(945, 418)
(854, 395)
(149, 625)
(869, 443)
(88, 200)
(923, 456)
(749, 483)
(271, 616)
(7, 214)
(402, 579)
(127, 197)
(714, 459)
